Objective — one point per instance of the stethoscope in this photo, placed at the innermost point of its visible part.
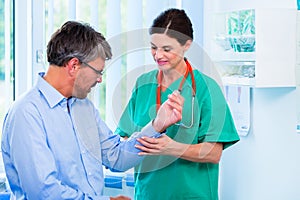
(158, 91)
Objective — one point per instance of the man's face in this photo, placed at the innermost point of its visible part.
(87, 77)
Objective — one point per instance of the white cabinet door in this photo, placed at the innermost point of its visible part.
(271, 63)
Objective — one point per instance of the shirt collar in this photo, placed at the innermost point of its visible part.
(52, 96)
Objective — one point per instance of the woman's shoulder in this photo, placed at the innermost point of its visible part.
(201, 77)
(148, 77)
(206, 82)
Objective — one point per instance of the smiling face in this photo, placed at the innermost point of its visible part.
(167, 52)
(87, 78)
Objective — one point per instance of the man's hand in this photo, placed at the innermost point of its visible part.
(121, 197)
(170, 112)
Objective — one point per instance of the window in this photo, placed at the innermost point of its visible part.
(113, 88)
(93, 12)
(115, 19)
(6, 57)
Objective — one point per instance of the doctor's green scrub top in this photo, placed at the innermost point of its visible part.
(166, 177)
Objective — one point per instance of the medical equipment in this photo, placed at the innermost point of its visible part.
(158, 91)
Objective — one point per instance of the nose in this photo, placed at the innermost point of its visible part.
(158, 53)
(99, 79)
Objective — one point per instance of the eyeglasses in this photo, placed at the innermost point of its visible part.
(99, 72)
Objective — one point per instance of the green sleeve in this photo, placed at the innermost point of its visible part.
(216, 122)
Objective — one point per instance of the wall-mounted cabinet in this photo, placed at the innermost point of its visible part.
(255, 47)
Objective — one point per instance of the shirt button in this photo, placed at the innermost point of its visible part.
(90, 174)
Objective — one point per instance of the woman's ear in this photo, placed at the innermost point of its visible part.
(187, 45)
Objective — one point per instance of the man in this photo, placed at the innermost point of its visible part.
(54, 143)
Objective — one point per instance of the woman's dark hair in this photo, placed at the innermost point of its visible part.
(175, 23)
(80, 40)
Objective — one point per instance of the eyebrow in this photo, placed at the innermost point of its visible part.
(166, 46)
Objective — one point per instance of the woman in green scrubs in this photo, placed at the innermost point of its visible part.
(183, 162)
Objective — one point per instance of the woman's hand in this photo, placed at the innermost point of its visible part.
(163, 145)
(169, 112)
(209, 152)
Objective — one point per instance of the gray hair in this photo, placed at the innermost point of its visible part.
(79, 40)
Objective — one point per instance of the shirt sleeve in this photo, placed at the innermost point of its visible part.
(27, 156)
(122, 155)
(216, 123)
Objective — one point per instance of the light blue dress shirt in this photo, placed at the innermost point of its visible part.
(52, 153)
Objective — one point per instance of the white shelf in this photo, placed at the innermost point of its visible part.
(275, 49)
(231, 56)
(239, 81)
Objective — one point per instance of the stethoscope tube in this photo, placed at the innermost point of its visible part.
(158, 90)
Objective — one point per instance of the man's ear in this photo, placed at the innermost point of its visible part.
(73, 65)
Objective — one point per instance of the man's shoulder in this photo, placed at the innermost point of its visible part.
(28, 98)
(25, 105)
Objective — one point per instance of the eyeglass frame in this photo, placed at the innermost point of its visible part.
(98, 72)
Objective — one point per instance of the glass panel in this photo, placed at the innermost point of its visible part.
(235, 41)
(239, 31)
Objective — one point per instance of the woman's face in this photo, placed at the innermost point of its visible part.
(167, 52)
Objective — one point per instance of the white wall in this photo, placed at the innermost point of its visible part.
(265, 164)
